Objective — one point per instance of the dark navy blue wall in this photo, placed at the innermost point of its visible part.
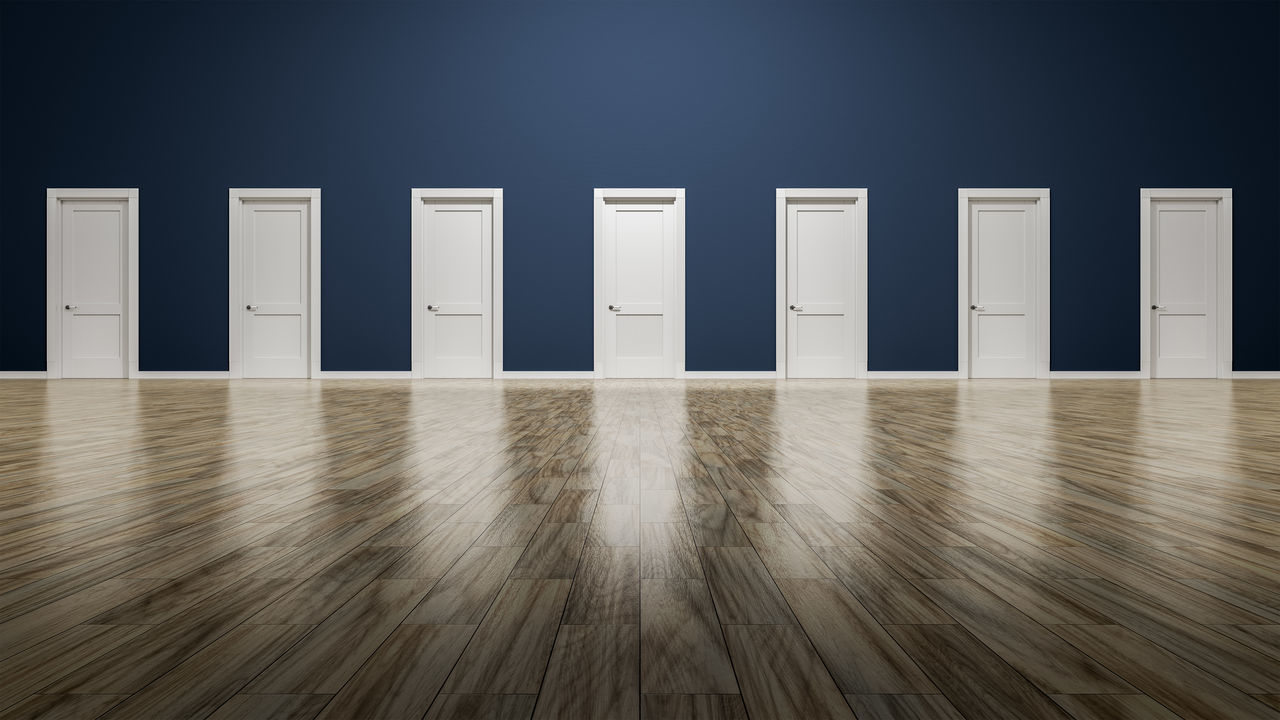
(727, 99)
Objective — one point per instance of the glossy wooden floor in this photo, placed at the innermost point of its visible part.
(370, 549)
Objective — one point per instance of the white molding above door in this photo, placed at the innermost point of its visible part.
(859, 196)
(417, 195)
(1041, 196)
(53, 273)
(602, 195)
(1224, 293)
(235, 271)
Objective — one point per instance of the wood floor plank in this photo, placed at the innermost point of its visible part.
(972, 677)
(1114, 707)
(212, 676)
(463, 596)
(692, 707)
(903, 707)
(1043, 602)
(554, 551)
(784, 553)
(883, 592)
(781, 674)
(1187, 690)
(593, 673)
(331, 653)
(667, 551)
(744, 592)
(683, 650)
(615, 525)
(26, 673)
(514, 526)
(508, 654)
(437, 552)
(606, 589)
(63, 707)
(573, 506)
(316, 598)
(401, 679)
(38, 625)
(716, 526)
(859, 654)
(482, 707)
(271, 707)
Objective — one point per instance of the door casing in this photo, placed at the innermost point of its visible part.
(674, 195)
(417, 196)
(859, 198)
(53, 272)
(1041, 198)
(237, 198)
(1224, 337)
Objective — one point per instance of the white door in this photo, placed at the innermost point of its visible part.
(276, 329)
(94, 288)
(1002, 289)
(639, 261)
(1184, 288)
(457, 268)
(820, 289)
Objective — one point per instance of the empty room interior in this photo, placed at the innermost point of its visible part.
(734, 359)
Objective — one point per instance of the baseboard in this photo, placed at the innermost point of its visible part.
(1096, 375)
(548, 375)
(1255, 375)
(730, 374)
(24, 374)
(365, 375)
(913, 375)
(182, 374)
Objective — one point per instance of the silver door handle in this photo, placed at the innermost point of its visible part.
(977, 307)
(433, 308)
(72, 307)
(251, 308)
(615, 308)
(797, 308)
(1157, 307)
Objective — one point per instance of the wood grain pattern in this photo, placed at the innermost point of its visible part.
(666, 549)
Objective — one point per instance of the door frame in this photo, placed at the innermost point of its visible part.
(1223, 197)
(859, 198)
(53, 272)
(237, 196)
(966, 197)
(602, 196)
(417, 196)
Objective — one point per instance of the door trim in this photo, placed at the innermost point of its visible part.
(53, 272)
(1223, 197)
(859, 197)
(602, 195)
(1041, 196)
(235, 273)
(417, 195)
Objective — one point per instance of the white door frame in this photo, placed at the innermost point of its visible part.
(417, 196)
(602, 195)
(859, 197)
(1041, 196)
(236, 270)
(1223, 197)
(53, 272)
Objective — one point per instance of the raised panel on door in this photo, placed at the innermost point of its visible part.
(94, 258)
(639, 286)
(820, 282)
(1002, 289)
(1184, 288)
(276, 340)
(458, 293)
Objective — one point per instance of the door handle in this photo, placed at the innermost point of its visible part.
(251, 308)
(797, 308)
(615, 308)
(72, 307)
(433, 308)
(1157, 307)
(977, 307)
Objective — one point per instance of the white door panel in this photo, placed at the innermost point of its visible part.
(820, 289)
(1184, 288)
(94, 258)
(1002, 289)
(457, 262)
(639, 287)
(276, 270)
